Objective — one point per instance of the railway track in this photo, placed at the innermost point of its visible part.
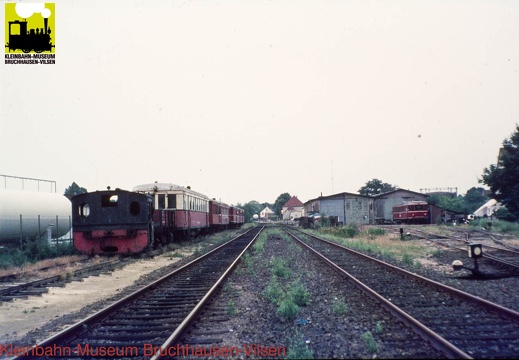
(498, 258)
(40, 286)
(457, 323)
(148, 321)
(12, 288)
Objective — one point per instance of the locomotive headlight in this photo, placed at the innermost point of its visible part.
(475, 250)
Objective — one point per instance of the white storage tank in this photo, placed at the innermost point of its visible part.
(28, 214)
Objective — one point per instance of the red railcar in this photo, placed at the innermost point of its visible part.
(411, 212)
(236, 217)
(218, 215)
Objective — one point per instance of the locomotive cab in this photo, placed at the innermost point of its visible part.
(111, 222)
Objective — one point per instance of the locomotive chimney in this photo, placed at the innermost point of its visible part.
(45, 21)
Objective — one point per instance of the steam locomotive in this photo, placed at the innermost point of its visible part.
(21, 39)
(129, 222)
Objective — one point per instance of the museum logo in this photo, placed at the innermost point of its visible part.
(30, 33)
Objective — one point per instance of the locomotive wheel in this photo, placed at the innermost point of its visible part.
(38, 51)
(26, 50)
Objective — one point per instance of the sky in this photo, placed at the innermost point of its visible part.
(246, 100)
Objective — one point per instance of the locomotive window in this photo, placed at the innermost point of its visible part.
(84, 210)
(15, 29)
(135, 208)
(109, 200)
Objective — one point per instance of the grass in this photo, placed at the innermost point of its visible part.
(32, 252)
(247, 259)
(370, 341)
(297, 348)
(299, 294)
(259, 244)
(378, 241)
(407, 259)
(498, 226)
(279, 268)
(379, 328)
(273, 292)
(339, 307)
(231, 308)
(288, 309)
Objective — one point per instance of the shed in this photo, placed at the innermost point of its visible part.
(348, 207)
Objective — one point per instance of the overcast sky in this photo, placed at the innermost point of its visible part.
(245, 100)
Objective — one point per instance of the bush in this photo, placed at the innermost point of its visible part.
(34, 251)
(299, 294)
(499, 226)
(297, 348)
(376, 231)
(279, 268)
(407, 259)
(370, 341)
(288, 309)
(273, 291)
(339, 307)
(348, 232)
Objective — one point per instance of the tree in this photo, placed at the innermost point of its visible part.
(250, 208)
(280, 201)
(503, 178)
(73, 190)
(375, 187)
(467, 204)
(474, 198)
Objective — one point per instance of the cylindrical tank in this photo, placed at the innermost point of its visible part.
(28, 214)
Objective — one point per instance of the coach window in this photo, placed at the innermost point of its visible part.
(172, 201)
(160, 201)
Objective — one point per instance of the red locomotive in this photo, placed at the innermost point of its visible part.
(411, 212)
(129, 222)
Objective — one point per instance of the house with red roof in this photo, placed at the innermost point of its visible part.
(293, 209)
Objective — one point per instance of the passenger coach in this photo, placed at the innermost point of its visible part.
(179, 210)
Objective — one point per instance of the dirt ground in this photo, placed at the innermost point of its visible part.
(20, 316)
